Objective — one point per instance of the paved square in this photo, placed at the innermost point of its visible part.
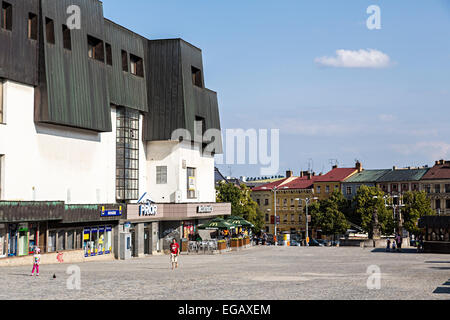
(257, 273)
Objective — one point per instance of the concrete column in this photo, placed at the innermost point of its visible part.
(116, 238)
(139, 240)
(155, 237)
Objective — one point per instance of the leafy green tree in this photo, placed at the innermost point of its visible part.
(417, 205)
(241, 203)
(328, 214)
(367, 200)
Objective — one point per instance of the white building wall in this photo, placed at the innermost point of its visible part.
(172, 154)
(52, 163)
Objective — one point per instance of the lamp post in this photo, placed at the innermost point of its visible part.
(307, 202)
(275, 209)
(394, 207)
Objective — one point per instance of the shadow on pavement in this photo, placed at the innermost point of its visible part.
(441, 268)
(437, 261)
(406, 250)
(442, 290)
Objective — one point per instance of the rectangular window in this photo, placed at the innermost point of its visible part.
(108, 54)
(50, 30)
(161, 175)
(405, 187)
(197, 77)
(428, 188)
(437, 188)
(124, 61)
(267, 217)
(415, 187)
(327, 189)
(191, 185)
(1, 102)
(349, 190)
(447, 203)
(96, 50)
(266, 202)
(51, 241)
(136, 66)
(438, 203)
(32, 26)
(447, 186)
(70, 240)
(318, 189)
(7, 16)
(2, 157)
(62, 240)
(127, 156)
(67, 38)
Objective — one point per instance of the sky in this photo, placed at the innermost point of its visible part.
(336, 90)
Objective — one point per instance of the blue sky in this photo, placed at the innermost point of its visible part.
(260, 56)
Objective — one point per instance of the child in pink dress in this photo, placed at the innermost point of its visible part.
(36, 261)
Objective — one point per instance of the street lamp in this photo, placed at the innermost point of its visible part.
(394, 207)
(275, 208)
(307, 202)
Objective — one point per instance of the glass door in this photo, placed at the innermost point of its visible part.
(108, 240)
(3, 237)
(23, 242)
(87, 242)
(94, 241)
(101, 241)
(12, 240)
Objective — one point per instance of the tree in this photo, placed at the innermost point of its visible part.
(417, 205)
(241, 203)
(367, 200)
(328, 214)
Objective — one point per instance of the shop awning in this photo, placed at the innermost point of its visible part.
(216, 224)
(239, 222)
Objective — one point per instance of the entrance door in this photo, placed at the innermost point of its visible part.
(133, 243)
(146, 241)
(3, 247)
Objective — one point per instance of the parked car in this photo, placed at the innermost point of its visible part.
(294, 243)
(315, 243)
(323, 242)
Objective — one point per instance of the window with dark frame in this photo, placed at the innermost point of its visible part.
(7, 16)
(124, 61)
(438, 203)
(447, 203)
(136, 66)
(67, 38)
(50, 30)
(197, 77)
(32, 26)
(96, 50)
(108, 48)
(127, 158)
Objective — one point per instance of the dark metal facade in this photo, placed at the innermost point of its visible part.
(19, 211)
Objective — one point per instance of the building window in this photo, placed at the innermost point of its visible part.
(428, 188)
(285, 218)
(7, 16)
(327, 189)
(108, 54)
(284, 202)
(2, 157)
(349, 190)
(266, 202)
(1, 102)
(50, 30)
(95, 49)
(136, 66)
(67, 38)
(292, 218)
(394, 187)
(437, 188)
(405, 187)
(447, 203)
(438, 203)
(415, 187)
(124, 61)
(191, 189)
(61, 240)
(197, 77)
(318, 189)
(447, 186)
(127, 175)
(258, 202)
(161, 175)
(267, 217)
(32, 26)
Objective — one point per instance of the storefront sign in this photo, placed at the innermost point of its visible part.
(111, 213)
(205, 209)
(148, 209)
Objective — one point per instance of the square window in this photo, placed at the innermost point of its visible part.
(32, 26)
(136, 66)
(50, 30)
(7, 16)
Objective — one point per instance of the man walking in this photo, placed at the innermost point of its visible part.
(174, 253)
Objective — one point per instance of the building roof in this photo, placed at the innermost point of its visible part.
(336, 175)
(367, 176)
(440, 171)
(288, 183)
(218, 176)
(399, 175)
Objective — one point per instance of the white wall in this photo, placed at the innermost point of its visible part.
(172, 154)
(43, 162)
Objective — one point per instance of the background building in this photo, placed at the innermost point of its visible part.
(436, 182)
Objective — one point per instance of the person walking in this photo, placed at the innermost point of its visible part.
(174, 253)
(388, 246)
(394, 245)
(36, 261)
(399, 242)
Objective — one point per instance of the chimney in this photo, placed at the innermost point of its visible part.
(359, 166)
(308, 174)
(334, 167)
(289, 174)
(394, 168)
(442, 162)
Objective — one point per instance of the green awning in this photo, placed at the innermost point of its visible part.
(216, 224)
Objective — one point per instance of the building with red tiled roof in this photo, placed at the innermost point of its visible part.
(325, 185)
(436, 182)
(289, 210)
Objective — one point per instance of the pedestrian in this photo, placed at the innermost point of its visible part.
(394, 245)
(399, 242)
(174, 253)
(36, 261)
(388, 246)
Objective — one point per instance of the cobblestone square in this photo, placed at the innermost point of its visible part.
(264, 273)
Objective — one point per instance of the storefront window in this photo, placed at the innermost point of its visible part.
(61, 240)
(189, 230)
(87, 242)
(12, 240)
(22, 245)
(108, 240)
(32, 241)
(51, 241)
(101, 241)
(70, 238)
(94, 241)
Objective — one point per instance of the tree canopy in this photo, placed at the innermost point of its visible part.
(417, 205)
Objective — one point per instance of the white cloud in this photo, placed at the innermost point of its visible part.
(386, 117)
(430, 149)
(369, 58)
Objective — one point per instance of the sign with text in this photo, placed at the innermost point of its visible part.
(205, 209)
(148, 209)
(111, 213)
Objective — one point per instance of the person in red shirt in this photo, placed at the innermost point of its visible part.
(174, 253)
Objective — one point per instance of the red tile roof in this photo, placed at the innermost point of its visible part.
(438, 172)
(337, 175)
(288, 183)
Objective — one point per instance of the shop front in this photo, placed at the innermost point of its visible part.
(154, 226)
(436, 233)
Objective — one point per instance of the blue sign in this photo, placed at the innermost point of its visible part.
(111, 213)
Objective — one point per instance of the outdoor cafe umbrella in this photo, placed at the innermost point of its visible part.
(239, 222)
(216, 224)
